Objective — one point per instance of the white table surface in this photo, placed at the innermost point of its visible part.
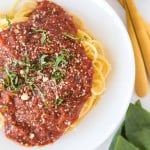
(143, 6)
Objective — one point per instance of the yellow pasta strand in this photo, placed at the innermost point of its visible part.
(26, 10)
(85, 35)
(90, 50)
(17, 14)
(1, 120)
(13, 10)
(98, 46)
(105, 66)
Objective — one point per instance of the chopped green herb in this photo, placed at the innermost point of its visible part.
(58, 102)
(14, 63)
(22, 63)
(27, 60)
(43, 38)
(38, 30)
(40, 92)
(31, 87)
(70, 36)
(12, 83)
(58, 75)
(42, 61)
(12, 80)
(60, 61)
(43, 33)
(15, 81)
(9, 22)
(27, 70)
(61, 58)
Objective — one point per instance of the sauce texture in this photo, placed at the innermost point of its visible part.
(46, 77)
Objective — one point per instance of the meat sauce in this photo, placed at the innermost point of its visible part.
(46, 77)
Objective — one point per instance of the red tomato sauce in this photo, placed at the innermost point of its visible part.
(50, 96)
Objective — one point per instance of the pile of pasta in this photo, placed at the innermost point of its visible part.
(93, 49)
(18, 13)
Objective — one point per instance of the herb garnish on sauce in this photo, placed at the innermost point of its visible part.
(70, 36)
(60, 62)
(44, 37)
(58, 102)
(14, 80)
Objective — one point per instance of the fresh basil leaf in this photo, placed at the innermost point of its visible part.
(137, 126)
(138, 103)
(141, 138)
(137, 130)
(123, 144)
(137, 118)
(119, 132)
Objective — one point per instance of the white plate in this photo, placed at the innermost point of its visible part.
(97, 126)
(143, 7)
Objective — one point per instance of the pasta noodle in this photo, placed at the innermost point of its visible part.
(17, 15)
(93, 49)
(1, 120)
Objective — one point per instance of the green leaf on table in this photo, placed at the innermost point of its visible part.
(113, 143)
(141, 138)
(137, 118)
(135, 134)
(138, 103)
(123, 144)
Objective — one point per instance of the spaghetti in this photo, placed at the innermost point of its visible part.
(93, 50)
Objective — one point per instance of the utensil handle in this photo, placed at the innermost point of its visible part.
(140, 31)
(141, 81)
